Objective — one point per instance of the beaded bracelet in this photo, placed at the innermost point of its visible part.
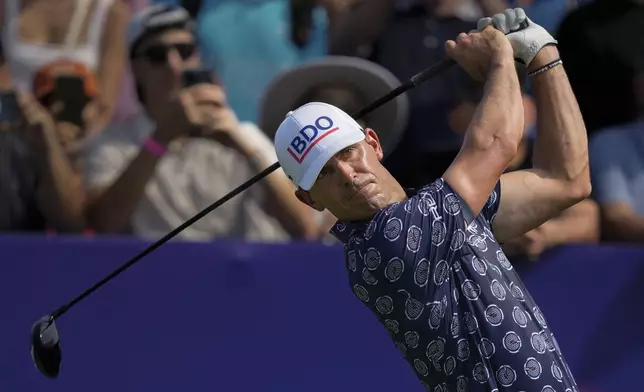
(546, 67)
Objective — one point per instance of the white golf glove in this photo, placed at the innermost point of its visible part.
(527, 38)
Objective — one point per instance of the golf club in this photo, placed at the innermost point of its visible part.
(45, 340)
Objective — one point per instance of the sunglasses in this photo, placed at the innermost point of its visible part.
(158, 54)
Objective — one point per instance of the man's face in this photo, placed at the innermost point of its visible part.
(353, 185)
(160, 59)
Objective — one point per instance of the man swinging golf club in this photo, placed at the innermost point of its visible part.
(428, 262)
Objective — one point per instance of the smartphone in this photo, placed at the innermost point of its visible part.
(190, 77)
(10, 112)
(70, 90)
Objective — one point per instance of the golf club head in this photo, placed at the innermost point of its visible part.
(45, 346)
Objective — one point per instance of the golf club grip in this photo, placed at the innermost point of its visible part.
(417, 79)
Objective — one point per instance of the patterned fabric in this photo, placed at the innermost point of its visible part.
(450, 298)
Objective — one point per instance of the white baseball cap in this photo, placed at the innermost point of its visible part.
(153, 19)
(311, 135)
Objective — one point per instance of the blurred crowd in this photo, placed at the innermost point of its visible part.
(130, 117)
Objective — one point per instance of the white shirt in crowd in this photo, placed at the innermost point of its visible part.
(188, 178)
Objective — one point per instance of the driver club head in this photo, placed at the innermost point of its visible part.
(45, 346)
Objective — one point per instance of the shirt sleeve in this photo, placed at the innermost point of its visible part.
(103, 163)
(609, 180)
(492, 205)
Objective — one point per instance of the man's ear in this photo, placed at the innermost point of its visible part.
(371, 138)
(305, 197)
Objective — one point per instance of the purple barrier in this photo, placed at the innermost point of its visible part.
(236, 317)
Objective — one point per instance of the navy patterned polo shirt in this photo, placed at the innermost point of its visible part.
(449, 297)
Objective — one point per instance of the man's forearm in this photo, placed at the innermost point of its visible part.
(499, 117)
(492, 138)
(561, 147)
(60, 194)
(293, 215)
(112, 209)
(578, 224)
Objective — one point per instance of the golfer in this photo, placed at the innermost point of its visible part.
(428, 262)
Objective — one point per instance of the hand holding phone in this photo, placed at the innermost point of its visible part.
(36, 123)
(68, 99)
(191, 77)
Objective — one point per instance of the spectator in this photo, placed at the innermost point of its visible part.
(39, 186)
(68, 90)
(578, 224)
(127, 105)
(186, 151)
(249, 42)
(600, 42)
(405, 37)
(617, 171)
(39, 32)
(345, 82)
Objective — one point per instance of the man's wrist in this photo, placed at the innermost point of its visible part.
(546, 55)
(502, 61)
(506, 67)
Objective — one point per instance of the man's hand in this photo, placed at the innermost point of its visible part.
(480, 51)
(531, 244)
(527, 38)
(199, 111)
(38, 122)
(215, 118)
(96, 115)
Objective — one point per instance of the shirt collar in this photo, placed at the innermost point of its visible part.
(343, 231)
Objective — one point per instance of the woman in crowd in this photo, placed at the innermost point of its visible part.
(36, 33)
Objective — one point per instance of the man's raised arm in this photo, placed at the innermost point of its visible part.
(493, 136)
(560, 177)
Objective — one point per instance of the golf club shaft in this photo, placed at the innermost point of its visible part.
(416, 80)
(60, 311)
